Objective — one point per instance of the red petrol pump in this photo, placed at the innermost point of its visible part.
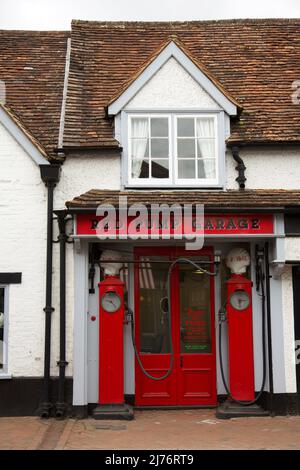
(240, 338)
(111, 327)
(237, 310)
(111, 351)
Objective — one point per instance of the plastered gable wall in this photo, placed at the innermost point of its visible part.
(23, 249)
(172, 87)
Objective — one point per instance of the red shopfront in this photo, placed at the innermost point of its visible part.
(189, 339)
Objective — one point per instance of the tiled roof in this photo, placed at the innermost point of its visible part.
(28, 134)
(256, 61)
(32, 65)
(211, 199)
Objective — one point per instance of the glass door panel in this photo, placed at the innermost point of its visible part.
(154, 328)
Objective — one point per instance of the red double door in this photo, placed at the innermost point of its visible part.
(192, 381)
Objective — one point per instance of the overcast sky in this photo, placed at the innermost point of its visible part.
(57, 14)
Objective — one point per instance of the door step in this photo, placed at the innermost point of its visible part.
(230, 409)
(122, 411)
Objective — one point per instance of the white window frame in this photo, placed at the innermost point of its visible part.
(4, 370)
(173, 181)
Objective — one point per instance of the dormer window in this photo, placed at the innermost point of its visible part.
(172, 120)
(172, 149)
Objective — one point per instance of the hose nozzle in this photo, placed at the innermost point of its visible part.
(222, 315)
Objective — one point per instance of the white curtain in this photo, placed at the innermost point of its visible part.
(205, 129)
(139, 132)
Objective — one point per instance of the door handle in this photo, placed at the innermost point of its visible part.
(181, 361)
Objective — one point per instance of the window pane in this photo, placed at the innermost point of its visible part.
(159, 127)
(185, 127)
(160, 169)
(1, 327)
(205, 127)
(159, 148)
(186, 148)
(207, 168)
(140, 169)
(139, 127)
(186, 169)
(140, 147)
(206, 148)
(139, 155)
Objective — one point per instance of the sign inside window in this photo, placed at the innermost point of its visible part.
(196, 333)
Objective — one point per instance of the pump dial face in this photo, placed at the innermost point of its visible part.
(111, 302)
(240, 300)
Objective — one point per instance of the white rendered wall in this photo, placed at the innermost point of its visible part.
(273, 168)
(80, 174)
(172, 87)
(23, 249)
(288, 330)
(292, 248)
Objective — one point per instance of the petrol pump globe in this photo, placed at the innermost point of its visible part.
(111, 268)
(238, 260)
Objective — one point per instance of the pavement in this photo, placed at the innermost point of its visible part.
(152, 429)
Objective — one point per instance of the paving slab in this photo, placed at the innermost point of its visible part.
(152, 429)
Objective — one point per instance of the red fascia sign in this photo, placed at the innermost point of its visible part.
(213, 224)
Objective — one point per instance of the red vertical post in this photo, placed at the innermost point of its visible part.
(111, 345)
(240, 342)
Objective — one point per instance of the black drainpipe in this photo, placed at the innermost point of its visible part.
(50, 176)
(60, 406)
(241, 178)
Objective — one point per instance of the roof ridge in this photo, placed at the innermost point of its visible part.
(36, 32)
(184, 22)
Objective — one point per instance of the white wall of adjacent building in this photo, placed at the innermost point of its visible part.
(23, 249)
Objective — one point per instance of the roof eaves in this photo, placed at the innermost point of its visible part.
(15, 126)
